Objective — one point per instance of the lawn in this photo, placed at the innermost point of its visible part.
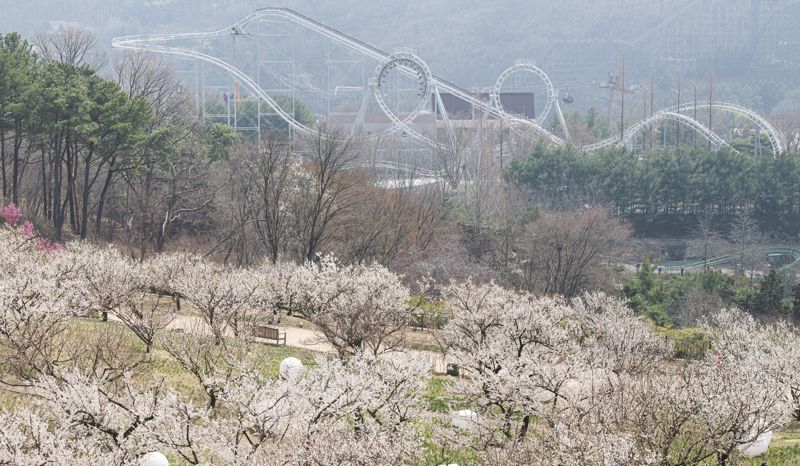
(783, 450)
(160, 364)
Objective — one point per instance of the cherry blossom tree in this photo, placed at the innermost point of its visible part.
(32, 439)
(601, 383)
(112, 413)
(353, 412)
(520, 353)
(162, 269)
(145, 314)
(213, 363)
(11, 214)
(545, 378)
(222, 294)
(774, 349)
(37, 293)
(356, 307)
(107, 277)
(283, 287)
(309, 416)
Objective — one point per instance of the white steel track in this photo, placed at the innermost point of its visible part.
(165, 43)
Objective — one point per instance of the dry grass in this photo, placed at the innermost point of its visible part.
(422, 341)
(159, 365)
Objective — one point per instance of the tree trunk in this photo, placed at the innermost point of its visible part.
(72, 175)
(45, 185)
(526, 422)
(15, 175)
(3, 162)
(58, 222)
(85, 197)
(98, 226)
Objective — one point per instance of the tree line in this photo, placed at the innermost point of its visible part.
(71, 138)
(684, 300)
(665, 192)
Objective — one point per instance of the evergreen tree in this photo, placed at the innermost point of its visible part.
(769, 297)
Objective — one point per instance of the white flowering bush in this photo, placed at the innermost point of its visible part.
(544, 379)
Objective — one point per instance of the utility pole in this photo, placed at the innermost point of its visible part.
(710, 102)
(611, 84)
(652, 97)
(622, 104)
(678, 123)
(501, 145)
(644, 117)
(616, 83)
(694, 133)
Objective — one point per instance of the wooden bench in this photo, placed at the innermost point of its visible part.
(270, 333)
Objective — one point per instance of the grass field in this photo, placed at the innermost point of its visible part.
(159, 364)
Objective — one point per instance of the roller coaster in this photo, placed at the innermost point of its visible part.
(791, 253)
(427, 91)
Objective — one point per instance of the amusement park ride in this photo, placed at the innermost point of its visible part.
(401, 89)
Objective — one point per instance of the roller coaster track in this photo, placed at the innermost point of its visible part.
(775, 136)
(165, 43)
(772, 251)
(677, 113)
(409, 170)
(664, 115)
(157, 43)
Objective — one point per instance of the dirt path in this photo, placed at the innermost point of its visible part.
(295, 336)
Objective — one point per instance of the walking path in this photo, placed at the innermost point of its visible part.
(295, 336)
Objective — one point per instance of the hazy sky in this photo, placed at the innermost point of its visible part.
(471, 41)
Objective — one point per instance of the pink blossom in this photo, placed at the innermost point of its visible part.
(11, 213)
(27, 228)
(47, 246)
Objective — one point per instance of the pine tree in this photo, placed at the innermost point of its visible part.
(768, 299)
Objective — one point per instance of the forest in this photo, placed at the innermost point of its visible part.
(665, 191)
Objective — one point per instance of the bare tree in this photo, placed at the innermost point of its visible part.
(451, 157)
(391, 220)
(149, 77)
(564, 250)
(696, 305)
(169, 172)
(269, 169)
(330, 189)
(706, 232)
(493, 221)
(71, 46)
(173, 192)
(477, 206)
(747, 238)
(789, 124)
